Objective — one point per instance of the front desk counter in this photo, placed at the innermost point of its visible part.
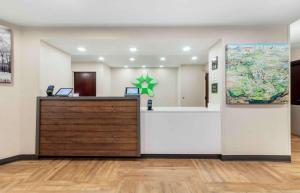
(181, 130)
(88, 126)
(118, 127)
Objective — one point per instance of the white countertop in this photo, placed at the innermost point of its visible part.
(181, 109)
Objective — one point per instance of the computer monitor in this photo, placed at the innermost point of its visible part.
(132, 91)
(64, 92)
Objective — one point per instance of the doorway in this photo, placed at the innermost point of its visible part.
(85, 83)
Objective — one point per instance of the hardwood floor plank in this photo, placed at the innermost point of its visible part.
(151, 176)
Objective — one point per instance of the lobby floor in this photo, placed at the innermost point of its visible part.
(152, 176)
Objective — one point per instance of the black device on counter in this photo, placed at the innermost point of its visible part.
(64, 92)
(149, 105)
(50, 90)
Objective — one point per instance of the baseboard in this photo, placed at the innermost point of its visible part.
(18, 158)
(182, 156)
(279, 158)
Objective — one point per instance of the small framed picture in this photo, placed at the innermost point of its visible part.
(214, 63)
(214, 88)
(5, 55)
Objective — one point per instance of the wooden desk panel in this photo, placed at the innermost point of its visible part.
(88, 127)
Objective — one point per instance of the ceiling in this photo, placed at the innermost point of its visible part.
(116, 51)
(149, 12)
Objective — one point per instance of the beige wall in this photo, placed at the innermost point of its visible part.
(55, 68)
(255, 129)
(260, 130)
(106, 80)
(295, 54)
(112, 82)
(191, 85)
(165, 91)
(215, 76)
(102, 75)
(10, 120)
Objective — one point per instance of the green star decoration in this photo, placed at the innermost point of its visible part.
(145, 88)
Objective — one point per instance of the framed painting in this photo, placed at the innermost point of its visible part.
(5, 55)
(257, 73)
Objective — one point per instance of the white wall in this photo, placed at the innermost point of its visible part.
(55, 68)
(106, 80)
(103, 83)
(165, 91)
(245, 130)
(295, 54)
(215, 76)
(10, 120)
(255, 129)
(112, 82)
(191, 85)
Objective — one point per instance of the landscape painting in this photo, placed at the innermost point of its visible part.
(5, 56)
(257, 73)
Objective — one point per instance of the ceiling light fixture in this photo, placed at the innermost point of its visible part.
(162, 59)
(132, 59)
(186, 48)
(101, 58)
(133, 49)
(81, 49)
(194, 58)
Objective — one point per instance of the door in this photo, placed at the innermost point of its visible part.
(192, 86)
(85, 83)
(295, 82)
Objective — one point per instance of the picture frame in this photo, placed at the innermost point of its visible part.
(257, 73)
(6, 53)
(214, 88)
(214, 63)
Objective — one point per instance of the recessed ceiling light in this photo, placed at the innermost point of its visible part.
(161, 66)
(144, 66)
(101, 58)
(162, 59)
(81, 49)
(133, 49)
(194, 58)
(132, 59)
(125, 66)
(186, 48)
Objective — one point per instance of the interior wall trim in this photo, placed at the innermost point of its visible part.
(18, 158)
(279, 158)
(182, 156)
(274, 158)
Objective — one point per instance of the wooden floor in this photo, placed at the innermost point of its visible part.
(152, 176)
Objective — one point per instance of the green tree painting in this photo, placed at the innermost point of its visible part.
(257, 73)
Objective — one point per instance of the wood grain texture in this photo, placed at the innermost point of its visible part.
(88, 128)
(151, 176)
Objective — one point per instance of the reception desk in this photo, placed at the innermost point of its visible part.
(181, 131)
(88, 126)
